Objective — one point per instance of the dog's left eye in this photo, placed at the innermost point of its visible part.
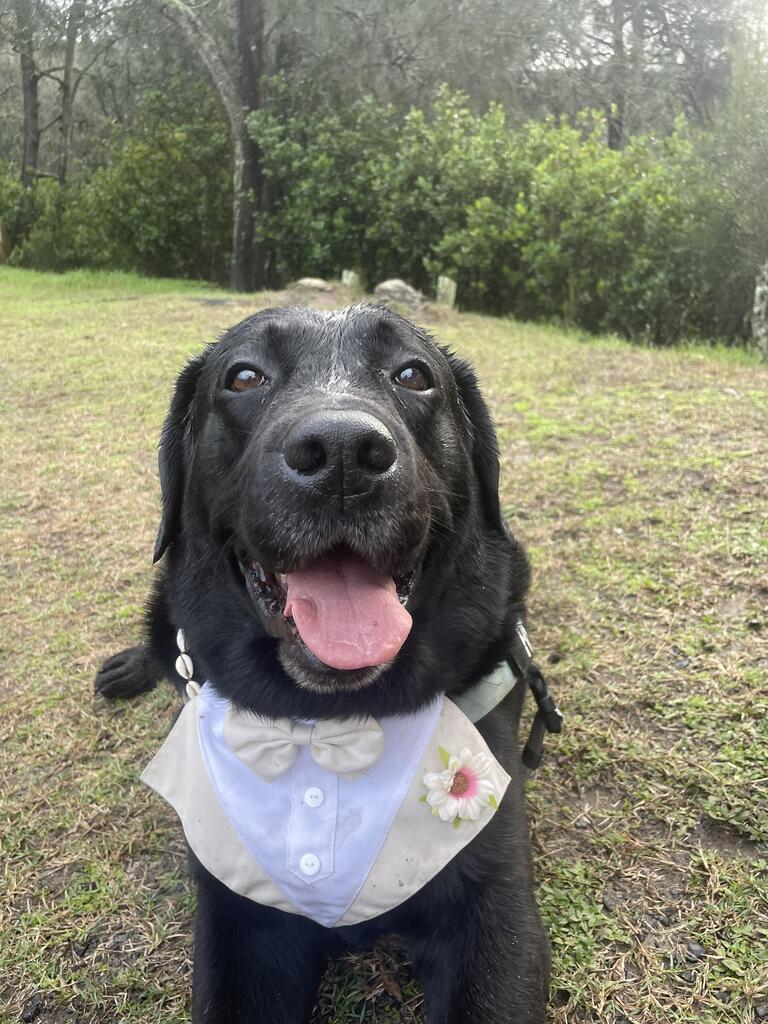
(414, 378)
(246, 378)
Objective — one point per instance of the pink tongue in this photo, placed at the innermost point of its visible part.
(347, 614)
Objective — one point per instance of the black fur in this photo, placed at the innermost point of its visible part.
(473, 932)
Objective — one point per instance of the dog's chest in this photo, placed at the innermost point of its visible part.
(337, 848)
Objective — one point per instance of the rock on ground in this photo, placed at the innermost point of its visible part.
(396, 290)
(315, 284)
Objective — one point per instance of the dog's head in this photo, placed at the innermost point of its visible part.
(330, 502)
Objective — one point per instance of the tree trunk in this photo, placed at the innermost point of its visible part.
(247, 272)
(635, 119)
(75, 17)
(616, 72)
(238, 96)
(25, 47)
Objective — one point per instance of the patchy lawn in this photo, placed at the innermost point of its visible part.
(638, 480)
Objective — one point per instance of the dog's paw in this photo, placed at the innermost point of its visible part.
(126, 674)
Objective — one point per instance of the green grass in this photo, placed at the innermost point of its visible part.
(21, 285)
(636, 478)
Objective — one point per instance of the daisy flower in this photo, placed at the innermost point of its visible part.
(462, 790)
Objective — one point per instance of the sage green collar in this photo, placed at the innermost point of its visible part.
(484, 696)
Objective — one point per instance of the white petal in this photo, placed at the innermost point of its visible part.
(449, 809)
(480, 764)
(438, 780)
(471, 809)
(435, 797)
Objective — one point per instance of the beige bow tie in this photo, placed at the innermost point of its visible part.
(269, 747)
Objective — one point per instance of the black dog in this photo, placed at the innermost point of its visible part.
(304, 438)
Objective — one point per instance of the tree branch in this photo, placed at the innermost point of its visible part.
(50, 124)
(204, 45)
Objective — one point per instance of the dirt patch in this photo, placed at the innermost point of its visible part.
(719, 837)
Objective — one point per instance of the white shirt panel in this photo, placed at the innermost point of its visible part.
(345, 833)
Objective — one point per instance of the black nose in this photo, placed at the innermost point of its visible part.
(340, 450)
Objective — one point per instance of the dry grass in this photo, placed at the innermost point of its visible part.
(638, 481)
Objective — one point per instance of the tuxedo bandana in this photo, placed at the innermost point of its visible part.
(337, 820)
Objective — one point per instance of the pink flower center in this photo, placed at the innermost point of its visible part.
(464, 784)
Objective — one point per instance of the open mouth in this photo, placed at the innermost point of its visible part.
(344, 614)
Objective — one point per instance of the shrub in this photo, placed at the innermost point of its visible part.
(606, 240)
(610, 237)
(365, 187)
(166, 196)
(11, 193)
(315, 165)
(162, 204)
(543, 222)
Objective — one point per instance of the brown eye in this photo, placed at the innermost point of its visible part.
(413, 378)
(246, 379)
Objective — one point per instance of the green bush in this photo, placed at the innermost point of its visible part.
(734, 229)
(162, 204)
(545, 221)
(484, 257)
(422, 180)
(542, 222)
(609, 237)
(11, 193)
(166, 196)
(606, 240)
(315, 167)
(68, 229)
(367, 188)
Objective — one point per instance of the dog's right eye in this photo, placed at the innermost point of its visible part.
(246, 378)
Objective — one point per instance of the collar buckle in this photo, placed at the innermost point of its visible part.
(548, 717)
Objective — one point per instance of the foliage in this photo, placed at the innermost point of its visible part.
(11, 193)
(160, 205)
(319, 195)
(734, 237)
(609, 238)
(545, 221)
(367, 187)
(659, 241)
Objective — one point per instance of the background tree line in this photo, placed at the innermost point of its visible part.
(253, 142)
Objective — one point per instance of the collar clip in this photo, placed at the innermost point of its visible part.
(548, 717)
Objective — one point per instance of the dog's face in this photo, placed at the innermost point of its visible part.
(330, 469)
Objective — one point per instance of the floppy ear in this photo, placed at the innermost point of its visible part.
(173, 450)
(485, 447)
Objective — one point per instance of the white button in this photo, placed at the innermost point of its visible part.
(309, 864)
(314, 797)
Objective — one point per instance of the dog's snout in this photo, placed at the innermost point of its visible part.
(333, 446)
